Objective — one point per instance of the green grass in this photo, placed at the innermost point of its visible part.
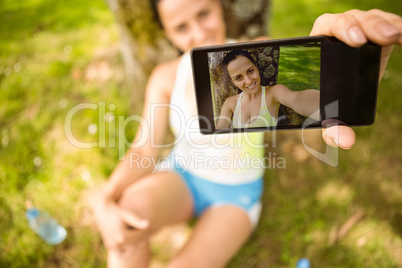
(292, 18)
(47, 49)
(299, 67)
(305, 202)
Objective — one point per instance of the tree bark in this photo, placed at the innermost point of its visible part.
(143, 45)
(246, 19)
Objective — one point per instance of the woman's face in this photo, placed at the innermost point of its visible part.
(192, 23)
(244, 74)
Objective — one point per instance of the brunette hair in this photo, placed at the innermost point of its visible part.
(232, 55)
(154, 7)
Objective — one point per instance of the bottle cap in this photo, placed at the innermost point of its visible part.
(32, 213)
(28, 204)
(303, 263)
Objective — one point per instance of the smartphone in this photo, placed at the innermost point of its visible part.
(305, 82)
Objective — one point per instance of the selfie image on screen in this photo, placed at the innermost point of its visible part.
(261, 87)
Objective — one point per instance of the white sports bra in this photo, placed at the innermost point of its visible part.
(264, 118)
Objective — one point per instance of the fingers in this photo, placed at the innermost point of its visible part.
(339, 136)
(356, 27)
(122, 236)
(114, 222)
(390, 28)
(125, 238)
(132, 220)
(345, 27)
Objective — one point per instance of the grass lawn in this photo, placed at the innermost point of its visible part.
(299, 67)
(307, 205)
(55, 55)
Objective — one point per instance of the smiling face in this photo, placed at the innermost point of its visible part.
(244, 74)
(192, 23)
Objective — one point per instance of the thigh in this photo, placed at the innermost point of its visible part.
(218, 235)
(162, 198)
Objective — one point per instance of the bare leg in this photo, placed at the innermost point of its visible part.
(163, 199)
(135, 256)
(218, 235)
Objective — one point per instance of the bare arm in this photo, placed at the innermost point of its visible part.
(226, 113)
(126, 173)
(305, 102)
(113, 220)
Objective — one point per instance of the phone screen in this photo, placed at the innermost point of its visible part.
(285, 84)
(294, 67)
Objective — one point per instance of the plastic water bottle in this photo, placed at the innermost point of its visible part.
(303, 263)
(44, 225)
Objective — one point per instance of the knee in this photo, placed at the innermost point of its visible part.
(141, 204)
(135, 201)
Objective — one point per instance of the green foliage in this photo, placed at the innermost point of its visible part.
(141, 22)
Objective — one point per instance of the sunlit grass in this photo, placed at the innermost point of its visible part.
(306, 202)
(299, 68)
(47, 49)
(43, 66)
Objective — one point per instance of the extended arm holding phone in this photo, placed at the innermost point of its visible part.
(304, 102)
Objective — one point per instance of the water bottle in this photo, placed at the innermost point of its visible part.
(44, 225)
(303, 263)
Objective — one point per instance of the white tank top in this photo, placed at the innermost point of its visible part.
(222, 158)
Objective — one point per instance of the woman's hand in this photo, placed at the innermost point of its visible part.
(355, 28)
(117, 226)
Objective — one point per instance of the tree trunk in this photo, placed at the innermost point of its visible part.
(246, 19)
(143, 44)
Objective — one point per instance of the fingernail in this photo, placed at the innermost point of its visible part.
(357, 36)
(387, 30)
(339, 145)
(336, 141)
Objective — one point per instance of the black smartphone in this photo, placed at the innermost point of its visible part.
(306, 82)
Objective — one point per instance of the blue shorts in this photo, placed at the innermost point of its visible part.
(206, 193)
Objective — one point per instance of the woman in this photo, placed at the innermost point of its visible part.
(258, 106)
(136, 202)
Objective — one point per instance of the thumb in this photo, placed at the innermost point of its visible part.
(339, 136)
(132, 219)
